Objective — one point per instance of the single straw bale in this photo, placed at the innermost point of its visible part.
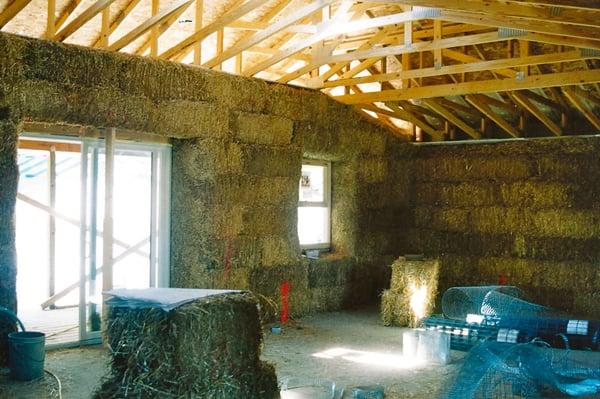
(206, 349)
(412, 292)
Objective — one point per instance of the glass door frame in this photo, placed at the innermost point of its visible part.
(159, 219)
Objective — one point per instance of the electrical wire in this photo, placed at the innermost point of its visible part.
(57, 381)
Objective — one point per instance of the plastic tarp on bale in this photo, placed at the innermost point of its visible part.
(208, 347)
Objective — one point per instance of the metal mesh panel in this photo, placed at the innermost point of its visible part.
(497, 370)
(458, 302)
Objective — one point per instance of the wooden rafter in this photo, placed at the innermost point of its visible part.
(12, 10)
(463, 68)
(66, 13)
(524, 102)
(269, 31)
(197, 37)
(437, 106)
(480, 102)
(577, 102)
(538, 12)
(82, 18)
(119, 18)
(150, 23)
(483, 86)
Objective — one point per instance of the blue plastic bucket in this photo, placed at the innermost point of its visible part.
(26, 355)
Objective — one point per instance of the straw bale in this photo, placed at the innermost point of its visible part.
(412, 292)
(537, 194)
(567, 223)
(9, 177)
(279, 250)
(262, 129)
(187, 119)
(199, 159)
(329, 271)
(209, 348)
(325, 299)
(271, 161)
(372, 170)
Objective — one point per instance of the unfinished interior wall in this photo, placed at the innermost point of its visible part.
(526, 212)
(9, 177)
(237, 150)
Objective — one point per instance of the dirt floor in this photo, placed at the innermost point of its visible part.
(350, 348)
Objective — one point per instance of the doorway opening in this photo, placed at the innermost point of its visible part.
(59, 224)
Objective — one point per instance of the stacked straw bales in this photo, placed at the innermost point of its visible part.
(207, 349)
(412, 292)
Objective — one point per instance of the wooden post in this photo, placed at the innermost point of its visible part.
(107, 239)
(198, 26)
(154, 31)
(52, 223)
(51, 21)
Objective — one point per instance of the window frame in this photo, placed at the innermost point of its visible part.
(326, 203)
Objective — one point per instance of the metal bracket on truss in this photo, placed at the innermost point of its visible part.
(589, 52)
(426, 12)
(511, 32)
(555, 11)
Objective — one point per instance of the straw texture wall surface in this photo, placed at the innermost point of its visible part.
(8, 190)
(528, 211)
(238, 145)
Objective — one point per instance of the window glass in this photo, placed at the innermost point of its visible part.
(314, 205)
(312, 183)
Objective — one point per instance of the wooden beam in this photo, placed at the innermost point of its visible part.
(462, 68)
(119, 18)
(437, 35)
(199, 13)
(51, 20)
(459, 41)
(479, 102)
(162, 28)
(149, 24)
(104, 28)
(436, 106)
(342, 16)
(82, 18)
(402, 114)
(197, 37)
(577, 4)
(586, 94)
(154, 30)
(547, 27)
(581, 107)
(219, 47)
(12, 10)
(524, 102)
(364, 46)
(542, 100)
(268, 32)
(465, 109)
(545, 12)
(483, 86)
(66, 13)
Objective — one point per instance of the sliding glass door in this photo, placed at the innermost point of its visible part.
(63, 206)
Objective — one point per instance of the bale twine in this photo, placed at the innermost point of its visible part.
(412, 292)
(208, 348)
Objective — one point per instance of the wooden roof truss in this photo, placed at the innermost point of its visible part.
(431, 69)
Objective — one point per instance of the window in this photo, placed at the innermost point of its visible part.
(314, 205)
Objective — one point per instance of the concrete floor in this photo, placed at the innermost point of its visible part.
(350, 348)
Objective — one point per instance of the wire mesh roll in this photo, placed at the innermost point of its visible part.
(458, 302)
(499, 304)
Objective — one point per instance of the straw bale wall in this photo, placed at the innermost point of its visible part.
(9, 129)
(525, 210)
(238, 144)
